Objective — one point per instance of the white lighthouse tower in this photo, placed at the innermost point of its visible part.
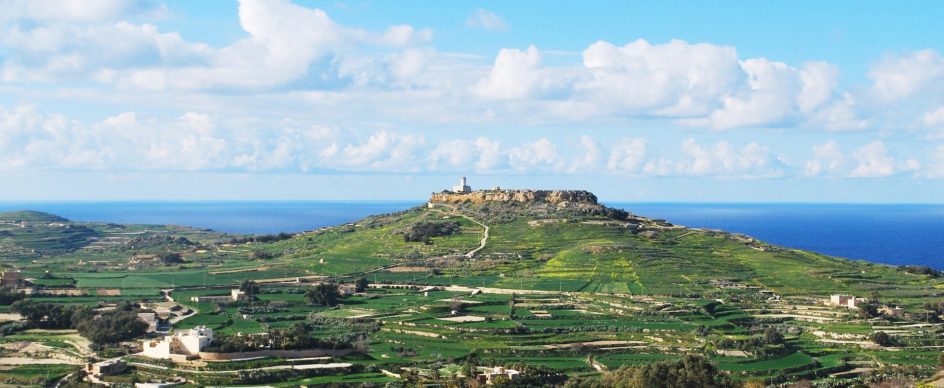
(462, 187)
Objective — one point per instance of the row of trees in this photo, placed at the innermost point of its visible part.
(107, 327)
(690, 371)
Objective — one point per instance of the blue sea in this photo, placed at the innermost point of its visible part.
(892, 234)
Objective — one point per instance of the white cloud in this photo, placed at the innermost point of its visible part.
(516, 74)
(71, 11)
(292, 47)
(589, 156)
(491, 156)
(828, 159)
(627, 155)
(484, 19)
(482, 155)
(902, 76)
(776, 94)
(285, 42)
(541, 154)
(873, 161)
(720, 159)
(383, 150)
(673, 79)
(934, 118)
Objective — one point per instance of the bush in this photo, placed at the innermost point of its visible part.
(324, 294)
(112, 327)
(424, 231)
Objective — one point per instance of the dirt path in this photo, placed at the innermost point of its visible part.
(333, 365)
(472, 253)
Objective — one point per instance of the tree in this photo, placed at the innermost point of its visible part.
(710, 307)
(47, 315)
(10, 296)
(170, 258)
(690, 371)
(869, 310)
(250, 288)
(772, 336)
(112, 327)
(324, 294)
(882, 338)
(361, 285)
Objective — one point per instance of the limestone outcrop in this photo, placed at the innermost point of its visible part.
(554, 197)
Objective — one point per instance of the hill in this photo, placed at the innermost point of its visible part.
(552, 283)
(29, 235)
(29, 216)
(566, 240)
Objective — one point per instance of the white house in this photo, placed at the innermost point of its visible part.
(848, 301)
(235, 295)
(182, 345)
(462, 187)
(498, 371)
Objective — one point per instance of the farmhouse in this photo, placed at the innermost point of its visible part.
(144, 260)
(107, 368)
(848, 301)
(235, 295)
(182, 345)
(12, 279)
(490, 374)
(897, 312)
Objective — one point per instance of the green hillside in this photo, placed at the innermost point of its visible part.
(29, 216)
(547, 280)
(590, 249)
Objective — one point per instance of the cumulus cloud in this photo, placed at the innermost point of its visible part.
(589, 156)
(285, 42)
(516, 74)
(827, 159)
(484, 19)
(540, 154)
(290, 46)
(719, 159)
(776, 94)
(627, 155)
(481, 155)
(904, 75)
(675, 78)
(873, 160)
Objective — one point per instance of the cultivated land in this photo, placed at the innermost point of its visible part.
(560, 282)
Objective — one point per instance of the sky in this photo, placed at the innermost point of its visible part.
(736, 101)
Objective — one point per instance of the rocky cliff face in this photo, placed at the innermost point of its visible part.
(554, 197)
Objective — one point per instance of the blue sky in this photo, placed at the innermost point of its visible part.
(637, 101)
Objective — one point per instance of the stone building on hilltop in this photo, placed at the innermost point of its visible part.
(462, 187)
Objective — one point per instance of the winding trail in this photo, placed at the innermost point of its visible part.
(473, 252)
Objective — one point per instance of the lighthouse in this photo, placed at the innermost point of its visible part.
(462, 187)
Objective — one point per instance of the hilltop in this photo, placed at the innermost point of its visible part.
(29, 216)
(553, 197)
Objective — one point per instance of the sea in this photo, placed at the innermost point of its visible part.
(900, 234)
